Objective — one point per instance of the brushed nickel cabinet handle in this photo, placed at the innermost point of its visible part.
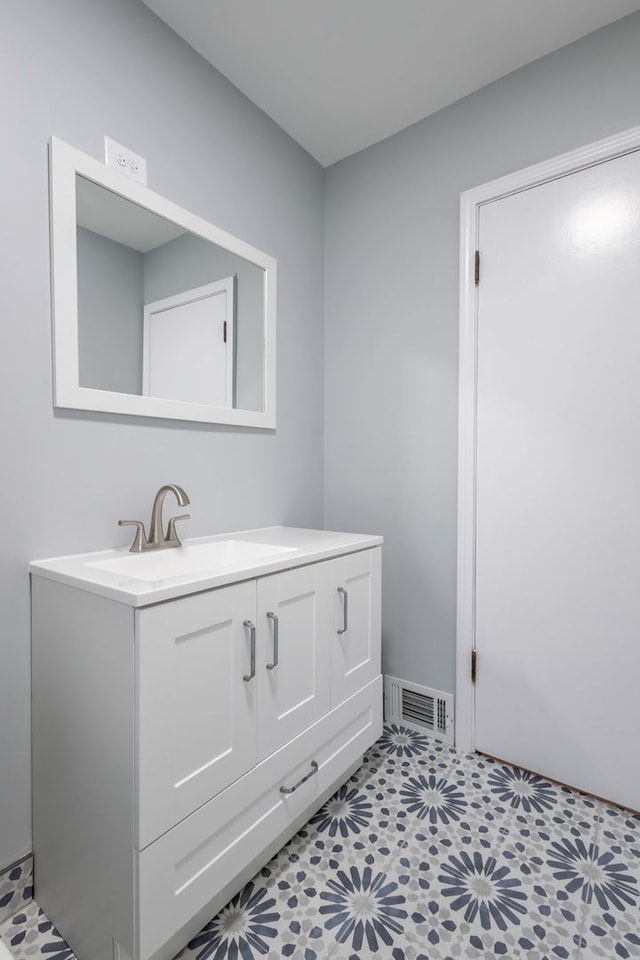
(273, 617)
(250, 676)
(314, 769)
(345, 610)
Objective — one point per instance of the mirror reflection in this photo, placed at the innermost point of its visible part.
(163, 312)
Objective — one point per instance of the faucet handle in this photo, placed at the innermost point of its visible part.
(172, 537)
(140, 539)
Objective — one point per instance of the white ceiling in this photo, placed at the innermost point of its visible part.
(117, 218)
(339, 75)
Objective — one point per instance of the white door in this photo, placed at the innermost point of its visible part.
(558, 480)
(355, 631)
(196, 706)
(187, 347)
(293, 662)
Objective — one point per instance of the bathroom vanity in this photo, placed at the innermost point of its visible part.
(191, 710)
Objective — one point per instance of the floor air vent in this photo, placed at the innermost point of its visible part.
(420, 708)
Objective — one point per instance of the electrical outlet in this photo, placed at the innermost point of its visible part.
(125, 160)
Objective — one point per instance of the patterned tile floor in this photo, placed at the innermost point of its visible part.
(427, 853)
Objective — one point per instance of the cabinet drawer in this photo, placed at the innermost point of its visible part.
(199, 863)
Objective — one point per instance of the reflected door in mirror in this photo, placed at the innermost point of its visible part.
(188, 346)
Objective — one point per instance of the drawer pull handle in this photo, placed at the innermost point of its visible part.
(314, 769)
(250, 676)
(273, 617)
(345, 610)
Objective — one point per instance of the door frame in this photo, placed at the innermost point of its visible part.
(470, 203)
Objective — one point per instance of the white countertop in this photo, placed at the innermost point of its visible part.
(304, 546)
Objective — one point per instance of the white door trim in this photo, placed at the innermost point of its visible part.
(470, 203)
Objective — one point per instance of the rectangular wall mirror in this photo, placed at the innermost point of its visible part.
(156, 312)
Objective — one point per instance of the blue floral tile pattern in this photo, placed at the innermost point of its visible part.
(16, 888)
(301, 940)
(403, 949)
(242, 930)
(425, 853)
(612, 877)
(430, 797)
(348, 812)
(57, 950)
(594, 874)
(30, 933)
(477, 905)
(402, 742)
(522, 789)
(364, 907)
(484, 889)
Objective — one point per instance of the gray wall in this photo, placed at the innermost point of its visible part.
(391, 328)
(80, 69)
(110, 305)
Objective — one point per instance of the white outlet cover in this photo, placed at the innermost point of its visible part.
(122, 158)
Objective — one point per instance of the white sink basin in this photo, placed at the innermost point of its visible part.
(189, 558)
(203, 563)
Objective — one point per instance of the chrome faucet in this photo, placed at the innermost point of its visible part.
(157, 539)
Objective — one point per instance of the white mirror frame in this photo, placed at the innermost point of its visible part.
(65, 163)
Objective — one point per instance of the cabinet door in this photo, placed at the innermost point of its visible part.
(293, 663)
(196, 709)
(355, 632)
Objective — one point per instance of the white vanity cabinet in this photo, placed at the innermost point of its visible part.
(182, 732)
(225, 678)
